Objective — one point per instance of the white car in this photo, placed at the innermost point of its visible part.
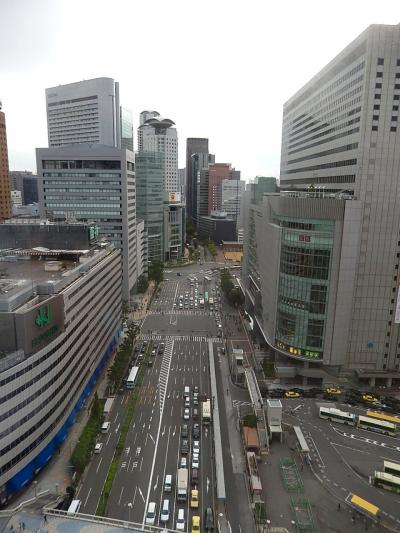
(196, 444)
(196, 450)
(183, 463)
(186, 414)
(180, 520)
(195, 461)
(151, 514)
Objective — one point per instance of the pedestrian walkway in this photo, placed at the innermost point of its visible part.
(186, 312)
(198, 338)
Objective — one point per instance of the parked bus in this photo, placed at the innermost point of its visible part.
(391, 468)
(380, 426)
(335, 415)
(381, 416)
(252, 467)
(130, 382)
(206, 412)
(74, 507)
(387, 481)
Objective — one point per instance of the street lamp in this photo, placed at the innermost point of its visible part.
(130, 507)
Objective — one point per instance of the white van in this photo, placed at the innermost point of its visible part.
(105, 427)
(168, 483)
(180, 521)
(164, 515)
(151, 514)
(98, 447)
(186, 392)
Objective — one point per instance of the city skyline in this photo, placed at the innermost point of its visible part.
(261, 79)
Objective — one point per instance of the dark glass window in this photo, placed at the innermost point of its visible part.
(398, 63)
(397, 75)
(305, 262)
(397, 85)
(318, 299)
(393, 128)
(396, 97)
(315, 332)
(394, 119)
(286, 325)
(374, 128)
(378, 85)
(377, 106)
(377, 96)
(379, 74)
(375, 117)
(395, 108)
(380, 60)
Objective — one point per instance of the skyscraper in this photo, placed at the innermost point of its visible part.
(5, 198)
(217, 173)
(157, 134)
(149, 168)
(93, 183)
(331, 293)
(193, 168)
(88, 112)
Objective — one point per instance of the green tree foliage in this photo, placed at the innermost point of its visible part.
(212, 247)
(142, 284)
(233, 294)
(156, 271)
(84, 448)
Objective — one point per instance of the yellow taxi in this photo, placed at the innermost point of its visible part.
(195, 524)
(194, 499)
(333, 390)
(292, 394)
(369, 398)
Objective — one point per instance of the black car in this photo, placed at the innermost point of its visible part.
(276, 394)
(184, 431)
(184, 447)
(196, 431)
(209, 518)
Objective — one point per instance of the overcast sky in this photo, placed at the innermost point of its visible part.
(220, 69)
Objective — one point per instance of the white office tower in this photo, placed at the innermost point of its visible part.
(157, 134)
(84, 112)
(339, 223)
(231, 194)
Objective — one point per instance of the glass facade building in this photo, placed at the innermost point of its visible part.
(126, 122)
(150, 200)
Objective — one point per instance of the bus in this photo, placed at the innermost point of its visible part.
(380, 426)
(387, 481)
(206, 413)
(252, 467)
(381, 416)
(207, 278)
(391, 468)
(211, 303)
(130, 382)
(206, 297)
(74, 507)
(335, 415)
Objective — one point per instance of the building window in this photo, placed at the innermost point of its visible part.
(378, 85)
(375, 117)
(374, 128)
(396, 97)
(397, 75)
(394, 119)
(393, 129)
(377, 96)
(397, 85)
(377, 107)
(395, 108)
(398, 63)
(380, 60)
(379, 74)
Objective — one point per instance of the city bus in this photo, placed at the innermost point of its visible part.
(130, 382)
(206, 297)
(387, 481)
(74, 507)
(364, 506)
(206, 413)
(391, 468)
(381, 416)
(380, 426)
(255, 481)
(335, 415)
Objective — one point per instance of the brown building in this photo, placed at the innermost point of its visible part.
(5, 195)
(218, 172)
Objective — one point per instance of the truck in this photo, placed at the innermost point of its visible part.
(206, 412)
(182, 484)
(108, 406)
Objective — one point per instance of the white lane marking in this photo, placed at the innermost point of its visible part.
(174, 432)
(141, 463)
(116, 431)
(317, 452)
(134, 496)
(163, 432)
(157, 439)
(120, 496)
(297, 407)
(141, 494)
(98, 466)
(87, 497)
(107, 441)
(151, 438)
(156, 483)
(115, 419)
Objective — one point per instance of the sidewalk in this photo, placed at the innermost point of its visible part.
(145, 298)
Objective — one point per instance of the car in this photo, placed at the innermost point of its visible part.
(195, 390)
(186, 414)
(164, 515)
(194, 499)
(209, 519)
(184, 431)
(292, 394)
(195, 462)
(276, 394)
(151, 513)
(180, 520)
(174, 306)
(149, 362)
(187, 401)
(195, 524)
(370, 398)
(333, 390)
(98, 447)
(183, 462)
(195, 413)
(184, 446)
(195, 399)
(178, 274)
(196, 431)
(196, 449)
(153, 352)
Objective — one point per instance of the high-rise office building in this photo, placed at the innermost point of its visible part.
(149, 167)
(331, 294)
(88, 112)
(174, 226)
(5, 198)
(231, 194)
(194, 166)
(217, 173)
(157, 134)
(182, 181)
(27, 183)
(93, 183)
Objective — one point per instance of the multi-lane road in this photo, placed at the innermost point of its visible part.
(153, 443)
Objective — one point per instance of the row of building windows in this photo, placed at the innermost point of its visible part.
(101, 164)
(305, 262)
(335, 164)
(286, 329)
(339, 149)
(349, 178)
(73, 100)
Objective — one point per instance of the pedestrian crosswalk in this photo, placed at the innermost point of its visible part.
(184, 312)
(164, 372)
(238, 403)
(198, 338)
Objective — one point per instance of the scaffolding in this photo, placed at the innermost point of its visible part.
(290, 475)
(303, 515)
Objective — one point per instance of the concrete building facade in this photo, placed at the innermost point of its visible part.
(141, 243)
(217, 173)
(93, 183)
(198, 146)
(27, 183)
(174, 226)
(5, 198)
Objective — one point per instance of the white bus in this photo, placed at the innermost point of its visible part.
(391, 468)
(130, 382)
(387, 481)
(74, 507)
(380, 426)
(206, 412)
(335, 415)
